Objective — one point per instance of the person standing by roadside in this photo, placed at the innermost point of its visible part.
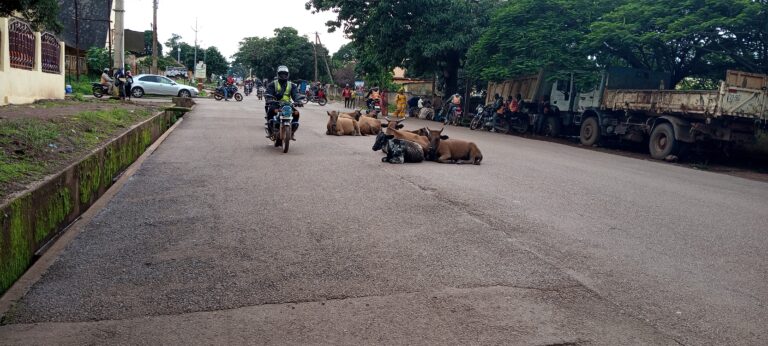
(347, 95)
(120, 83)
(401, 102)
(128, 84)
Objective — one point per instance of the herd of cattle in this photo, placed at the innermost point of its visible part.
(401, 145)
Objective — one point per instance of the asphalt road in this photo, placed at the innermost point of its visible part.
(220, 238)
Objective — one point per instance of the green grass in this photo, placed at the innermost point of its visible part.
(14, 170)
(31, 147)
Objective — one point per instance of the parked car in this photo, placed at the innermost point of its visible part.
(150, 84)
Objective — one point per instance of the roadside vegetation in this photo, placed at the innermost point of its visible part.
(39, 143)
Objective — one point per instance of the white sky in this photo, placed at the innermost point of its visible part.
(225, 23)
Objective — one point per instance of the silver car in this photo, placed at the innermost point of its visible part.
(151, 84)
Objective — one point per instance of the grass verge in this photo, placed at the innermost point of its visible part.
(31, 148)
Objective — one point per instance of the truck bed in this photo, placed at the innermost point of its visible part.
(742, 95)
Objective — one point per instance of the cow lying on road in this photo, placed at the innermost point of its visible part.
(445, 150)
(368, 125)
(341, 126)
(392, 129)
(398, 150)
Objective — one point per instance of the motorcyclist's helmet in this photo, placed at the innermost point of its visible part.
(282, 72)
(106, 70)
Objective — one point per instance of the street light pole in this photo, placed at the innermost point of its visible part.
(194, 63)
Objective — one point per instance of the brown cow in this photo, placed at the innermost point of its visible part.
(341, 126)
(392, 129)
(368, 125)
(445, 150)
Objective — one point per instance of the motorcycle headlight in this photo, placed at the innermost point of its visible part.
(287, 111)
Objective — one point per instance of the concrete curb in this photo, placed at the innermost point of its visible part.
(31, 219)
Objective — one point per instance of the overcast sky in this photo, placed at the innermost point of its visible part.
(224, 23)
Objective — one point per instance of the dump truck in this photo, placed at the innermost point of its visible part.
(637, 106)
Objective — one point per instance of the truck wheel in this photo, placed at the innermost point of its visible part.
(663, 142)
(552, 127)
(590, 132)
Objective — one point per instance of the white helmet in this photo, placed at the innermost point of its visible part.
(282, 69)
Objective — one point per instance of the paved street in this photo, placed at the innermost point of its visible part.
(220, 238)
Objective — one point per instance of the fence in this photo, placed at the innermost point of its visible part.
(31, 63)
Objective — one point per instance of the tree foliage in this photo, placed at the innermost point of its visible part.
(688, 38)
(41, 14)
(287, 48)
(425, 36)
(98, 59)
(527, 35)
(214, 61)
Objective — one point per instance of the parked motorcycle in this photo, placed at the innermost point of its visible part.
(281, 123)
(483, 118)
(218, 95)
(99, 90)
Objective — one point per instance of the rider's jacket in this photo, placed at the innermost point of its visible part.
(283, 93)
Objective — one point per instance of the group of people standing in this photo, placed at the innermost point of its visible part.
(119, 79)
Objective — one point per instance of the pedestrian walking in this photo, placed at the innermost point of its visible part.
(401, 102)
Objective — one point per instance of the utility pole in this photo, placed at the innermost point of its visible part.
(77, 40)
(154, 37)
(315, 50)
(119, 34)
(194, 63)
(325, 58)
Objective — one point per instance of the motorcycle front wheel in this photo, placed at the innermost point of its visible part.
(286, 137)
(238, 97)
(476, 122)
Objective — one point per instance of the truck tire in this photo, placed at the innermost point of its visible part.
(590, 134)
(663, 142)
(552, 127)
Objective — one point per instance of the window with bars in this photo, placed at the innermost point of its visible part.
(21, 45)
(51, 49)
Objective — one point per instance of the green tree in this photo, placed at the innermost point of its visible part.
(698, 38)
(424, 36)
(286, 47)
(546, 34)
(214, 61)
(42, 14)
(98, 59)
(173, 45)
(148, 44)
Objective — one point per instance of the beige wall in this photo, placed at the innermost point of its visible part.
(19, 86)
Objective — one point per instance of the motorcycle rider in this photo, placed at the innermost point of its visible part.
(106, 80)
(372, 96)
(281, 90)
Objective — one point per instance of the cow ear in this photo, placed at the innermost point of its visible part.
(329, 112)
(399, 126)
(443, 137)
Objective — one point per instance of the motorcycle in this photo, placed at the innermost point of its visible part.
(281, 123)
(232, 91)
(454, 117)
(247, 89)
(517, 122)
(99, 90)
(260, 92)
(374, 106)
(321, 100)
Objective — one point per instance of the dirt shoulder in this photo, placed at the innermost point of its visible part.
(45, 137)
